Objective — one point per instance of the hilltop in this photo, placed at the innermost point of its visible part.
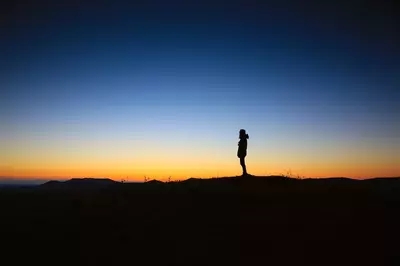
(221, 221)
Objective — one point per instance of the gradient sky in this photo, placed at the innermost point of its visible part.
(162, 89)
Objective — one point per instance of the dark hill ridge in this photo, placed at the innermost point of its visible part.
(254, 180)
(220, 221)
(78, 182)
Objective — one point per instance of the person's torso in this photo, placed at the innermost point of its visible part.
(243, 144)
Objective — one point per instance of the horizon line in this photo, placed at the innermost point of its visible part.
(136, 180)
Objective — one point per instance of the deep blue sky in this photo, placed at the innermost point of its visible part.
(168, 72)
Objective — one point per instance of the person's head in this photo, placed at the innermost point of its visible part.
(243, 135)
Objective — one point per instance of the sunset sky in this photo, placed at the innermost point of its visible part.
(162, 89)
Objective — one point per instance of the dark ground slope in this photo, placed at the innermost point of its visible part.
(226, 221)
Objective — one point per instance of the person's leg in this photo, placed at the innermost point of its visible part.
(243, 164)
(244, 167)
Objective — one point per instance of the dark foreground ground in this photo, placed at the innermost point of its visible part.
(227, 221)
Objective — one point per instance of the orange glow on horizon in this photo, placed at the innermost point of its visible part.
(163, 173)
(134, 159)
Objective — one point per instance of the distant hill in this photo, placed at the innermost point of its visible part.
(195, 182)
(81, 182)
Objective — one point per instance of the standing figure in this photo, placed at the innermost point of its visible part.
(242, 150)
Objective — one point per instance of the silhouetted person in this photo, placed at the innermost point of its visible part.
(242, 150)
